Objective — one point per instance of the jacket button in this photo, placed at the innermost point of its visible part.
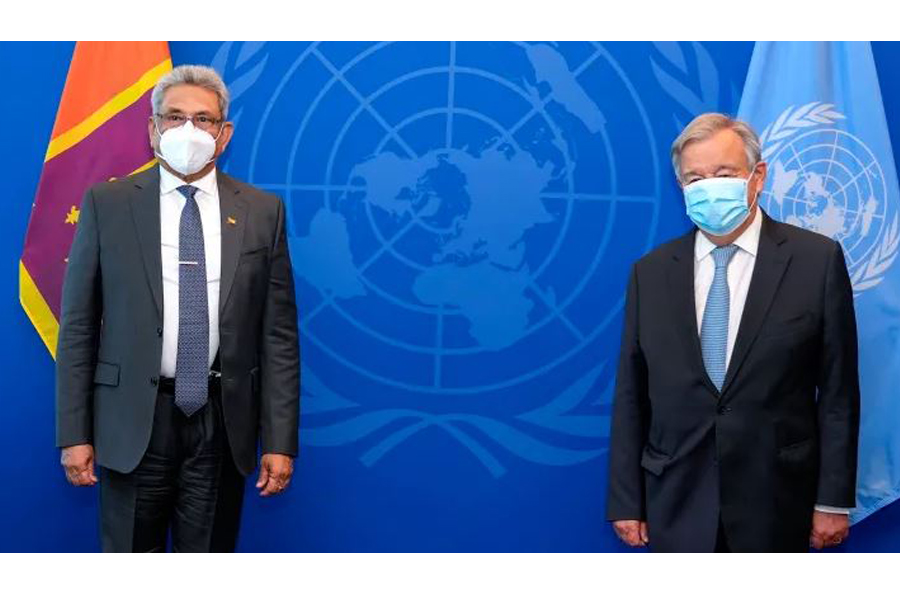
(159, 331)
(154, 381)
(724, 409)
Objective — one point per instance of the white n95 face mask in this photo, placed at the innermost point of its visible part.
(187, 149)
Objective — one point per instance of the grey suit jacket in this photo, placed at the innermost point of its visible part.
(110, 337)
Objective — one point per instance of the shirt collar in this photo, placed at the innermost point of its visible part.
(169, 182)
(748, 241)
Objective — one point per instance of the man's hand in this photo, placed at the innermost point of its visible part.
(828, 529)
(275, 472)
(633, 533)
(78, 461)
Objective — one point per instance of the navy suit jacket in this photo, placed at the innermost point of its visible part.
(782, 434)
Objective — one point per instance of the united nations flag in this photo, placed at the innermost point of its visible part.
(831, 170)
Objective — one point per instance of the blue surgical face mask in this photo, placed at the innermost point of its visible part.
(718, 205)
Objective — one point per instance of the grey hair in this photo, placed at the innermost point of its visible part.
(705, 126)
(198, 75)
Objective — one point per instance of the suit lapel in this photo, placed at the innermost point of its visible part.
(772, 259)
(233, 209)
(145, 213)
(681, 286)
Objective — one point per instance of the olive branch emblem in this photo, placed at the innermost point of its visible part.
(240, 68)
(871, 273)
(777, 135)
(793, 120)
(687, 73)
(388, 428)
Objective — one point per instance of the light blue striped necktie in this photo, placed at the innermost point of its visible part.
(714, 329)
(192, 362)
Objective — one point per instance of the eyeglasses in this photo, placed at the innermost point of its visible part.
(201, 121)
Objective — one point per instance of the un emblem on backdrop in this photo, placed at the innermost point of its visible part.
(827, 180)
(457, 213)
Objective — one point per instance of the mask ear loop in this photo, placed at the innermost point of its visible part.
(755, 197)
(160, 134)
(215, 141)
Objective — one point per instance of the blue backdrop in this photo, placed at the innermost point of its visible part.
(461, 218)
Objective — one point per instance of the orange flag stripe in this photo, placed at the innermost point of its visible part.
(119, 102)
(105, 86)
(99, 71)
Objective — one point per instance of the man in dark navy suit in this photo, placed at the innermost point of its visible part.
(736, 412)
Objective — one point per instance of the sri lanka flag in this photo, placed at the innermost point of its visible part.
(100, 134)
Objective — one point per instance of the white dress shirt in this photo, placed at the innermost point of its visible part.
(740, 271)
(171, 202)
(739, 274)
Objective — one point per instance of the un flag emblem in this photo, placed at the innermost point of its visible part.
(827, 180)
(461, 223)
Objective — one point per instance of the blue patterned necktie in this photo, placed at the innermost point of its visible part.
(714, 329)
(192, 363)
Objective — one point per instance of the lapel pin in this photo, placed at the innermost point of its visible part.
(232, 221)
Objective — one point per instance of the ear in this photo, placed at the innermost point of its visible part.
(759, 181)
(151, 132)
(762, 169)
(224, 137)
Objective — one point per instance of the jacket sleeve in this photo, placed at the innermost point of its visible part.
(280, 353)
(838, 389)
(625, 498)
(79, 329)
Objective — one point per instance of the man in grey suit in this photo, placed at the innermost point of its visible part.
(178, 353)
